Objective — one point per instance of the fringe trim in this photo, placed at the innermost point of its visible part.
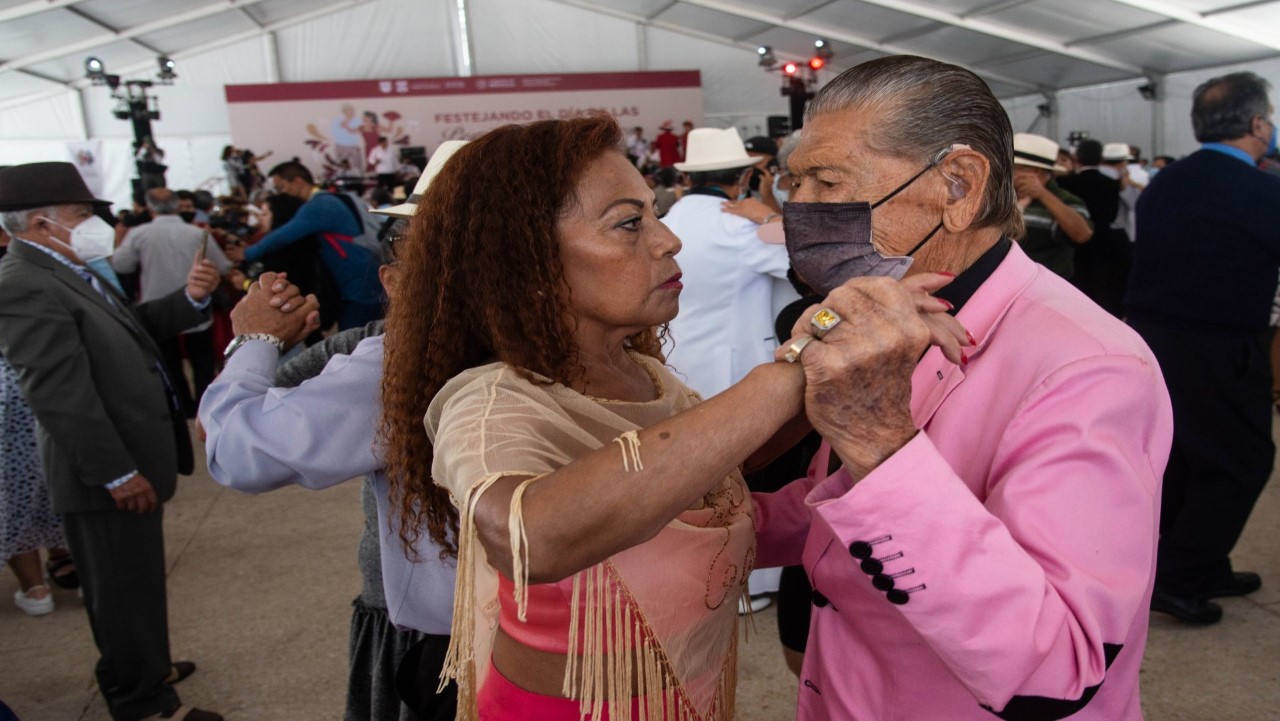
(520, 549)
(617, 646)
(630, 443)
(460, 661)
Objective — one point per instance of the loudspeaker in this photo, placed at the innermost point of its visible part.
(779, 126)
(415, 154)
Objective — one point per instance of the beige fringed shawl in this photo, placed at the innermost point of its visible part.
(663, 613)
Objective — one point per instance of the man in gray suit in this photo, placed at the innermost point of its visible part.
(112, 437)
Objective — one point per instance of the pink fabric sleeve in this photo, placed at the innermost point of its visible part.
(782, 518)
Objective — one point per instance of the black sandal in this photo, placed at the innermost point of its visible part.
(62, 572)
(180, 670)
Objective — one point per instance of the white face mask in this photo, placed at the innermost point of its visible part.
(91, 239)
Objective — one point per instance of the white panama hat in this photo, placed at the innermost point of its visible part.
(714, 149)
(1035, 151)
(438, 159)
(1116, 153)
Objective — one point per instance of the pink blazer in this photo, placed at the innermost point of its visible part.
(999, 565)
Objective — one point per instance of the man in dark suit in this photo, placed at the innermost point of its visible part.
(1102, 262)
(111, 436)
(1204, 276)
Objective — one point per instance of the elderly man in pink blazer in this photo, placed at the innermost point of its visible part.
(986, 548)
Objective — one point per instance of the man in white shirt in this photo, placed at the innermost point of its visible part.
(725, 325)
(384, 162)
(1116, 164)
(638, 148)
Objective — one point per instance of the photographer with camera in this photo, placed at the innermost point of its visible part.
(300, 261)
(338, 225)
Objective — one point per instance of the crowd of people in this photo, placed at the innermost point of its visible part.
(944, 375)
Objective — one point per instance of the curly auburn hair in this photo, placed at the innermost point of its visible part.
(481, 280)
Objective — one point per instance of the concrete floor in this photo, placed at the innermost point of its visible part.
(260, 591)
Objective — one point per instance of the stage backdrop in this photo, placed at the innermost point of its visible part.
(325, 124)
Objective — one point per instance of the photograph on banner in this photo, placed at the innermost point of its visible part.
(87, 157)
(338, 124)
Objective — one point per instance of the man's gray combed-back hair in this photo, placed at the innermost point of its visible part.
(924, 106)
(788, 146)
(162, 201)
(18, 221)
(1223, 108)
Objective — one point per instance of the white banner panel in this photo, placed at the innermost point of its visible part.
(324, 123)
(87, 156)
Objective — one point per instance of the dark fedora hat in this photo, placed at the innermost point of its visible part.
(36, 185)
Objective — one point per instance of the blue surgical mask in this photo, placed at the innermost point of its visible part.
(780, 193)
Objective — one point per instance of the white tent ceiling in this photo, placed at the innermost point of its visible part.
(1019, 46)
(1083, 60)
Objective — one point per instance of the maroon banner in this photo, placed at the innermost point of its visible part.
(411, 87)
(332, 126)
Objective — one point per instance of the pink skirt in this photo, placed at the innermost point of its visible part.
(501, 700)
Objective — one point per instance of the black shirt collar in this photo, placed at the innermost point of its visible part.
(708, 190)
(961, 289)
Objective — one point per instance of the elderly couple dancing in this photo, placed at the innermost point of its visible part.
(980, 525)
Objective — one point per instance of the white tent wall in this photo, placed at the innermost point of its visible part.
(735, 89)
(1117, 112)
(57, 116)
(538, 36)
(389, 38)
(1024, 115)
(1114, 113)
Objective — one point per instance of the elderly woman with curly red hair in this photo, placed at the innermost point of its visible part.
(603, 530)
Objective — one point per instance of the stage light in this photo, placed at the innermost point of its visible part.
(822, 49)
(95, 70)
(167, 66)
(767, 58)
(790, 68)
(816, 62)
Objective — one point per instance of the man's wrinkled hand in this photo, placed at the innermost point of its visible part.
(1027, 186)
(135, 495)
(858, 376)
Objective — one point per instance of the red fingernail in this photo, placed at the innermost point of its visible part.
(949, 275)
(964, 358)
(947, 303)
(972, 340)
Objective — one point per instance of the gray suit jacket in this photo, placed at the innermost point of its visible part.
(90, 371)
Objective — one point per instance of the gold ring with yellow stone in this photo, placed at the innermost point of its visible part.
(796, 348)
(823, 321)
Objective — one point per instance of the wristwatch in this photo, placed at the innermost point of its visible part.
(240, 340)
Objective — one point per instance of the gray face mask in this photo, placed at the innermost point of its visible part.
(830, 243)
